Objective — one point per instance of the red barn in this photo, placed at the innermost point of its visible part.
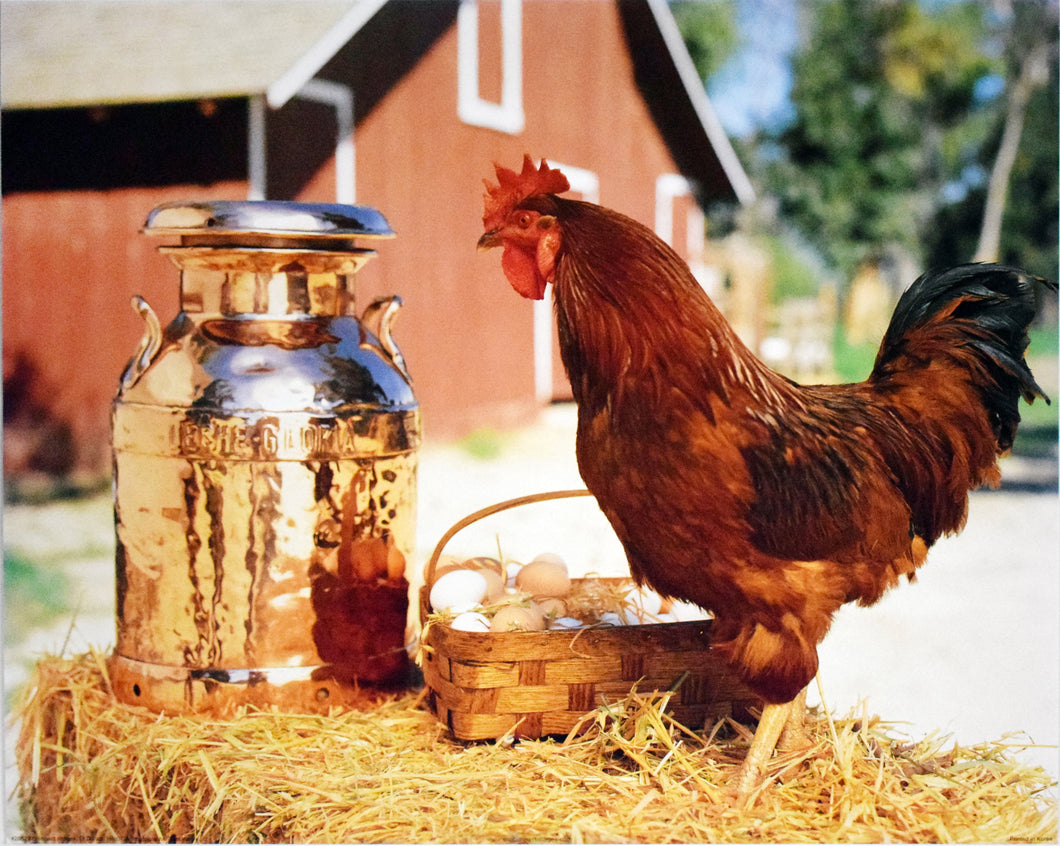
(110, 108)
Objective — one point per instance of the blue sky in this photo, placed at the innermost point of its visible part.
(751, 90)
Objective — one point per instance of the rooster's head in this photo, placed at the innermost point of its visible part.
(516, 219)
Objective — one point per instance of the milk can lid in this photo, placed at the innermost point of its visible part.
(267, 217)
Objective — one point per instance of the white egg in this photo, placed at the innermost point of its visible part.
(471, 621)
(458, 591)
(512, 568)
(612, 619)
(566, 623)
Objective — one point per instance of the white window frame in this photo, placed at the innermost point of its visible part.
(333, 94)
(507, 115)
(340, 98)
(668, 187)
(256, 185)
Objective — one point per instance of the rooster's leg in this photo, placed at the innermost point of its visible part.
(770, 726)
(793, 736)
(779, 725)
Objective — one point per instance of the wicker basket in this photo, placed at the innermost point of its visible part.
(532, 684)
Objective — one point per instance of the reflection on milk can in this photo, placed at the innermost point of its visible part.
(265, 447)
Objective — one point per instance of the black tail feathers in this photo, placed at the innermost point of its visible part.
(981, 312)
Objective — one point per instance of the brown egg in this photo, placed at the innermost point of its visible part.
(551, 607)
(395, 563)
(551, 557)
(483, 562)
(544, 578)
(444, 565)
(517, 618)
(494, 584)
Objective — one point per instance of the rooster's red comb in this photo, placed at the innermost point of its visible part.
(512, 188)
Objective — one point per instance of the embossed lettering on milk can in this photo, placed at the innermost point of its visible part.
(265, 447)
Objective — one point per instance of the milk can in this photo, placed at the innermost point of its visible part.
(265, 447)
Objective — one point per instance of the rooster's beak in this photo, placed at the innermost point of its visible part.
(490, 239)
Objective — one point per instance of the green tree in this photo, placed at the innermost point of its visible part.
(1007, 210)
(709, 31)
(878, 89)
(1029, 236)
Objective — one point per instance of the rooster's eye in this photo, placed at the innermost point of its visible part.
(524, 220)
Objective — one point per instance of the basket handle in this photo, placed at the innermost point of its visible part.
(493, 509)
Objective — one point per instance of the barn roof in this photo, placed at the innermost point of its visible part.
(99, 52)
(58, 54)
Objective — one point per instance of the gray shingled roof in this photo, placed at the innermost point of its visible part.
(74, 53)
(56, 53)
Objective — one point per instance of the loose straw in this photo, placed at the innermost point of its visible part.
(92, 769)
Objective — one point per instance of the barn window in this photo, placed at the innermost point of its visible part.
(674, 202)
(505, 114)
(668, 188)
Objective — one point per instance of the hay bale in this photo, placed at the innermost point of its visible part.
(93, 769)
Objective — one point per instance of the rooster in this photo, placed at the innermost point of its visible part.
(768, 503)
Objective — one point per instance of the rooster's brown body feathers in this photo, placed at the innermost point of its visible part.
(769, 503)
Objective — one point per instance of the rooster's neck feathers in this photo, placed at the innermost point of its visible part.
(630, 313)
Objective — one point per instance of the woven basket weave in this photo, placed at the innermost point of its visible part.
(532, 684)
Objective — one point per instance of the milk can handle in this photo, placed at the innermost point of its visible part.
(382, 312)
(150, 344)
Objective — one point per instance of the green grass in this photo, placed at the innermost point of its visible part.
(1038, 432)
(1040, 419)
(1035, 440)
(483, 444)
(853, 362)
(793, 276)
(34, 595)
(1040, 414)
